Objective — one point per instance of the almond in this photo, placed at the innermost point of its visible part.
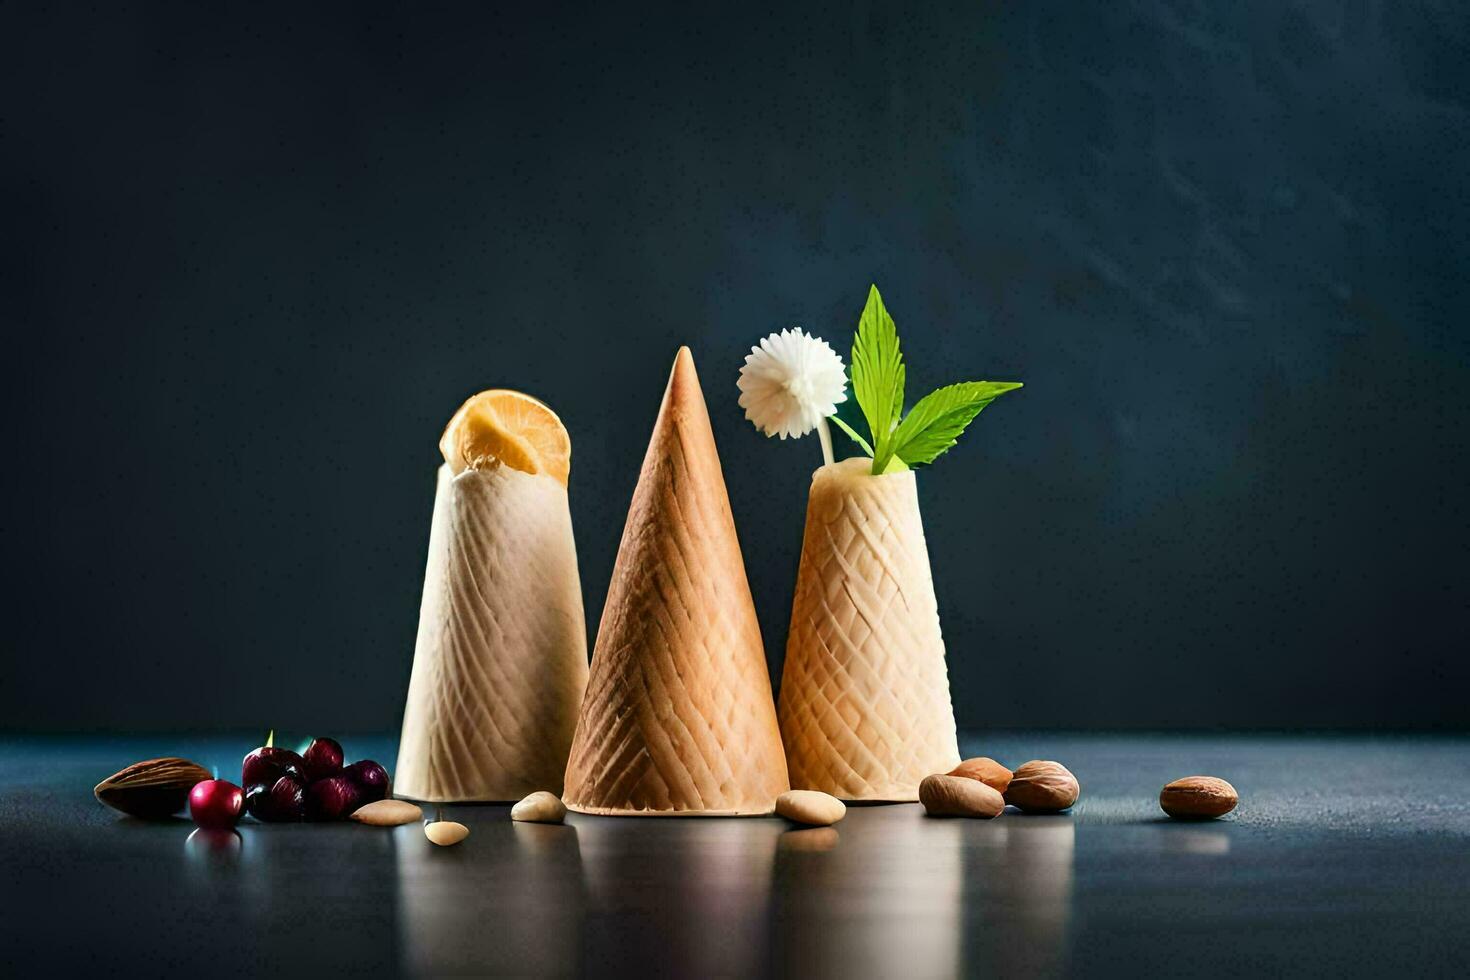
(811, 807)
(985, 769)
(446, 833)
(1198, 798)
(1041, 786)
(151, 789)
(387, 813)
(540, 807)
(957, 796)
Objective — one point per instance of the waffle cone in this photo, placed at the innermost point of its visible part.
(501, 659)
(865, 710)
(678, 717)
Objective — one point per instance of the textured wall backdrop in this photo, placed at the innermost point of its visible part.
(252, 261)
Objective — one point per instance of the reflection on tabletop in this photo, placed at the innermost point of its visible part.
(519, 915)
(677, 896)
(887, 892)
(894, 894)
(1192, 838)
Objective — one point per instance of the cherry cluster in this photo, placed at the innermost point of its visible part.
(283, 786)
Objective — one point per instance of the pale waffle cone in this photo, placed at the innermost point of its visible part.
(865, 710)
(501, 659)
(678, 717)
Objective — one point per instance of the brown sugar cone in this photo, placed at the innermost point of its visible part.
(678, 717)
(865, 710)
(501, 659)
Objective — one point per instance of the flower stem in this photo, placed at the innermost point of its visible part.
(825, 434)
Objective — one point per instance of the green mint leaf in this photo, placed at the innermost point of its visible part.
(878, 375)
(852, 434)
(933, 425)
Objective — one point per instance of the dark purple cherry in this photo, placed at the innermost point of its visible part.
(269, 763)
(332, 798)
(370, 778)
(279, 802)
(323, 758)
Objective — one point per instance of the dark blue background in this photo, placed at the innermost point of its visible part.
(254, 257)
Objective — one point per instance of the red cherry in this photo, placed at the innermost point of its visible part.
(216, 804)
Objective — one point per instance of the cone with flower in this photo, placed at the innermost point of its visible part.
(865, 707)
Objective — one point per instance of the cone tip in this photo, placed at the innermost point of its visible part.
(684, 380)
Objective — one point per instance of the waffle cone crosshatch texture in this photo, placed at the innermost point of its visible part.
(678, 718)
(501, 657)
(865, 701)
(1040, 563)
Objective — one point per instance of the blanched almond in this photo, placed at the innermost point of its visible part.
(446, 832)
(809, 806)
(387, 813)
(539, 807)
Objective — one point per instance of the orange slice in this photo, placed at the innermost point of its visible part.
(501, 427)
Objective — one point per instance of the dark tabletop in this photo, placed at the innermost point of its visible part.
(1346, 855)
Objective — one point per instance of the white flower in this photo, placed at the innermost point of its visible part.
(790, 383)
